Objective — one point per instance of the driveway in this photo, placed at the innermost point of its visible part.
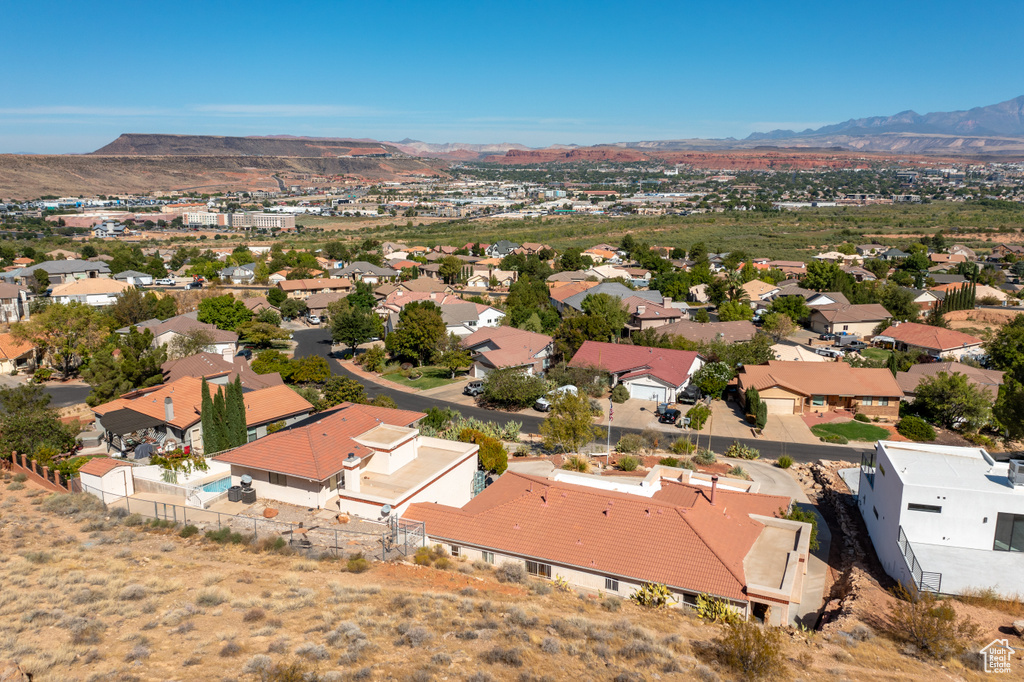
(728, 420)
(318, 342)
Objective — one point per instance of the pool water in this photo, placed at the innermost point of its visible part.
(217, 486)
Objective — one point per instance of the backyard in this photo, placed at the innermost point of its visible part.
(851, 430)
(876, 354)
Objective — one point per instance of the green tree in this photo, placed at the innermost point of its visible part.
(207, 420)
(362, 296)
(513, 387)
(899, 302)
(291, 308)
(608, 313)
(952, 401)
(778, 326)
(452, 356)
(821, 275)
(419, 330)
(28, 423)
(1009, 407)
(195, 340)
(702, 316)
(236, 418)
(270, 361)
(1006, 349)
(311, 369)
(793, 306)
(42, 280)
(138, 365)
(261, 334)
(712, 378)
(225, 312)
(339, 390)
(89, 251)
(570, 425)
(732, 311)
(276, 297)
(450, 269)
(353, 327)
(66, 332)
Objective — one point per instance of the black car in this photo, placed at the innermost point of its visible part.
(669, 416)
(690, 395)
(827, 337)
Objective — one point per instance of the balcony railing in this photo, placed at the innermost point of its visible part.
(924, 581)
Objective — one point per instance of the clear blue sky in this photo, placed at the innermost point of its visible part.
(77, 74)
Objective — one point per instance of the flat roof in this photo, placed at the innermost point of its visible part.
(949, 467)
(434, 457)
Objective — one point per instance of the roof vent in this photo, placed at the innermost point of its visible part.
(1016, 473)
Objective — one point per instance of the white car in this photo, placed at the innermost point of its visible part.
(314, 319)
(544, 404)
(165, 282)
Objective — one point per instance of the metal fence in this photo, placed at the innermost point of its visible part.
(396, 538)
(925, 581)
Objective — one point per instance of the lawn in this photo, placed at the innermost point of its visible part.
(430, 377)
(852, 430)
(877, 354)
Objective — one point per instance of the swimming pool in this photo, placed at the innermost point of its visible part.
(217, 486)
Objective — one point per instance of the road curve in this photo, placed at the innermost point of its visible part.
(318, 342)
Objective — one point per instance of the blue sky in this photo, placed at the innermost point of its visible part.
(77, 74)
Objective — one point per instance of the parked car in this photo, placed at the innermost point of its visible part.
(826, 337)
(314, 319)
(473, 388)
(689, 396)
(194, 285)
(544, 404)
(246, 353)
(166, 282)
(857, 346)
(670, 416)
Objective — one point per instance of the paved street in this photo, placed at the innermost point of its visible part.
(61, 394)
(318, 342)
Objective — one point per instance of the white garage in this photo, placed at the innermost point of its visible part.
(647, 387)
(780, 405)
(107, 478)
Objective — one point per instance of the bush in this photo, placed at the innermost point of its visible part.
(20, 477)
(716, 610)
(357, 563)
(682, 446)
(931, 625)
(188, 531)
(653, 595)
(492, 455)
(513, 388)
(627, 463)
(15, 485)
(915, 428)
(620, 394)
(373, 359)
(834, 438)
(510, 572)
(741, 451)
(751, 650)
(631, 443)
(668, 462)
(698, 415)
(785, 462)
(704, 458)
(739, 472)
(510, 656)
(576, 463)
(762, 416)
(805, 516)
(861, 417)
(978, 439)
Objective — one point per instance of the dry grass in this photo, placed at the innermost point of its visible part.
(93, 611)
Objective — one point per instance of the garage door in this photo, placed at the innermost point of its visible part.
(647, 392)
(779, 405)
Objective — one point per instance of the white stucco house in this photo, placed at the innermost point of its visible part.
(94, 292)
(945, 519)
(357, 459)
(657, 374)
(464, 318)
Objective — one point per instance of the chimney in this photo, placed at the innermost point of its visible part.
(666, 302)
(714, 486)
(640, 309)
(168, 409)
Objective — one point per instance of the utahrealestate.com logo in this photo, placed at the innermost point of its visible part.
(998, 656)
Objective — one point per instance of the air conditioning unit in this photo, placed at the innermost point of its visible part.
(1016, 473)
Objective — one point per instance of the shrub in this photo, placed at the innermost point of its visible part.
(620, 394)
(254, 615)
(15, 485)
(668, 461)
(373, 359)
(314, 652)
(134, 520)
(741, 451)
(931, 625)
(715, 610)
(861, 417)
(751, 650)
(682, 446)
(631, 442)
(627, 463)
(805, 516)
(137, 653)
(513, 388)
(978, 439)
(834, 438)
(357, 563)
(20, 477)
(492, 455)
(133, 592)
(915, 428)
(738, 472)
(510, 572)
(698, 415)
(652, 595)
(576, 463)
(704, 458)
(210, 598)
(785, 462)
(229, 649)
(762, 416)
(510, 656)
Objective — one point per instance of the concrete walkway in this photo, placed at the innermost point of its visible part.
(773, 480)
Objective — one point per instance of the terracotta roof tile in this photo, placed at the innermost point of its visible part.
(832, 378)
(932, 338)
(11, 349)
(97, 466)
(669, 365)
(676, 538)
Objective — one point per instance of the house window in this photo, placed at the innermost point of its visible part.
(866, 401)
(538, 569)
(817, 400)
(611, 584)
(251, 435)
(488, 557)
(931, 508)
(846, 327)
(278, 479)
(883, 402)
(456, 550)
(1009, 533)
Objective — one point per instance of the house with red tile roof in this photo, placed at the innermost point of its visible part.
(170, 414)
(106, 476)
(794, 387)
(934, 341)
(502, 347)
(690, 532)
(356, 459)
(657, 374)
(16, 355)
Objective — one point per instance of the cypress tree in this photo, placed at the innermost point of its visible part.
(207, 420)
(220, 421)
(236, 411)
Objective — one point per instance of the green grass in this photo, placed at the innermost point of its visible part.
(876, 354)
(431, 377)
(852, 430)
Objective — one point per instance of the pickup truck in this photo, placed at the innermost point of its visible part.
(165, 282)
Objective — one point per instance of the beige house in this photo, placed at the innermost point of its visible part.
(97, 292)
(16, 356)
(860, 320)
(301, 289)
(357, 459)
(936, 342)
